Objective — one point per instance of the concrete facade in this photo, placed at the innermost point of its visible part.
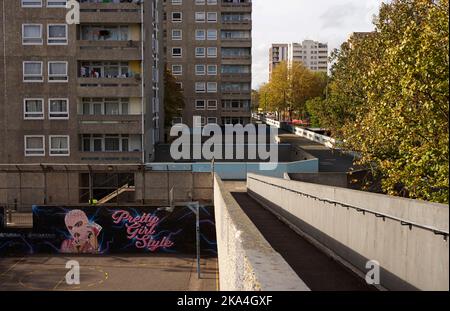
(208, 49)
(247, 262)
(410, 256)
(277, 54)
(105, 108)
(21, 190)
(313, 54)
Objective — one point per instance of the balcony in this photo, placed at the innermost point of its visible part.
(104, 124)
(228, 6)
(127, 13)
(236, 77)
(236, 113)
(111, 157)
(109, 87)
(111, 50)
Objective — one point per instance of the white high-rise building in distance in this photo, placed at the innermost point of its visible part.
(313, 54)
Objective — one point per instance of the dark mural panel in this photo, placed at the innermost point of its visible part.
(109, 230)
(2, 217)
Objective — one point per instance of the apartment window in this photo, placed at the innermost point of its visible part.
(200, 87)
(108, 143)
(212, 17)
(200, 70)
(57, 34)
(212, 104)
(177, 2)
(57, 72)
(236, 69)
(34, 145)
(106, 70)
(200, 52)
(212, 52)
(105, 106)
(180, 85)
(212, 120)
(58, 109)
(116, 143)
(200, 17)
(177, 52)
(177, 17)
(32, 34)
(200, 34)
(32, 3)
(212, 34)
(212, 2)
(177, 70)
(105, 32)
(177, 34)
(59, 145)
(177, 120)
(33, 109)
(56, 3)
(212, 87)
(32, 72)
(212, 70)
(235, 34)
(200, 104)
(199, 121)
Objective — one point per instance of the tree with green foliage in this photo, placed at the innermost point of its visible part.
(173, 99)
(388, 98)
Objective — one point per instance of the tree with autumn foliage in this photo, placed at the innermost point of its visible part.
(290, 87)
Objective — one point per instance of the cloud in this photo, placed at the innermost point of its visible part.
(329, 21)
(340, 15)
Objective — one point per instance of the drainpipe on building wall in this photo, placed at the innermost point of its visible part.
(5, 119)
(142, 83)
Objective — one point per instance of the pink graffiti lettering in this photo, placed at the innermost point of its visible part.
(141, 229)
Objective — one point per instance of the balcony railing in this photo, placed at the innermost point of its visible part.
(93, 11)
(109, 87)
(113, 50)
(103, 124)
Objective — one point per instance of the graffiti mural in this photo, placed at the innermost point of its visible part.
(2, 217)
(83, 234)
(108, 230)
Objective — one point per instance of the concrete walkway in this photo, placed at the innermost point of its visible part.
(319, 271)
(329, 160)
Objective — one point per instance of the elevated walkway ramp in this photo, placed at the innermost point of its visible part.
(318, 270)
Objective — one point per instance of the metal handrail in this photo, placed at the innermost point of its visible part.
(403, 222)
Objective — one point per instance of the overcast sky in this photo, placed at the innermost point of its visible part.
(284, 21)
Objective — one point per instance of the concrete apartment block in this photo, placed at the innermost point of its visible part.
(313, 54)
(86, 93)
(208, 49)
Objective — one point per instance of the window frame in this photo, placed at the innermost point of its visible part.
(32, 43)
(66, 38)
(64, 117)
(41, 75)
(58, 75)
(50, 146)
(25, 117)
(25, 146)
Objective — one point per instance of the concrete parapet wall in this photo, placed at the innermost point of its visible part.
(187, 186)
(247, 262)
(410, 257)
